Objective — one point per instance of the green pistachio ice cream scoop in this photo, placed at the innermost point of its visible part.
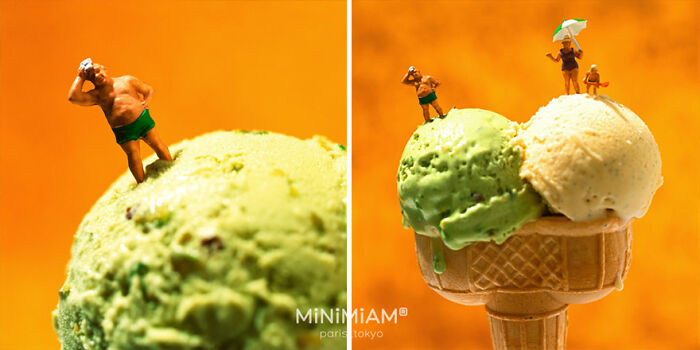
(458, 180)
(216, 250)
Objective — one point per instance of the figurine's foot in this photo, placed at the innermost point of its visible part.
(158, 167)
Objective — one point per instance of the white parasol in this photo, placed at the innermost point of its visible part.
(569, 28)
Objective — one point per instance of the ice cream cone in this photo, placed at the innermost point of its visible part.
(528, 281)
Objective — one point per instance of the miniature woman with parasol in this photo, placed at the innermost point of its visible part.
(569, 66)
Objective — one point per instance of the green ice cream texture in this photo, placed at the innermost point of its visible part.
(215, 250)
(459, 181)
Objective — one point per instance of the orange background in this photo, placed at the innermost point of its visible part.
(491, 55)
(269, 65)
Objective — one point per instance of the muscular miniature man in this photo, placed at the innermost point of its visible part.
(124, 101)
(425, 89)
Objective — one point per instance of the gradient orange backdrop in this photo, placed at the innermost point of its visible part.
(491, 55)
(272, 65)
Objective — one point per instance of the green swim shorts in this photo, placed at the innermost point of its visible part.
(136, 129)
(427, 98)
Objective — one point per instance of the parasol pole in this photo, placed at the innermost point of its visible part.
(573, 38)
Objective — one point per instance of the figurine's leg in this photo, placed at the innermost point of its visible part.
(133, 154)
(157, 145)
(595, 90)
(437, 108)
(566, 81)
(426, 112)
(588, 88)
(574, 79)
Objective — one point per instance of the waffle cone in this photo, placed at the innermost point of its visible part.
(543, 331)
(528, 281)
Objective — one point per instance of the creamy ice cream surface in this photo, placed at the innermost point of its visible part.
(591, 158)
(215, 250)
(459, 180)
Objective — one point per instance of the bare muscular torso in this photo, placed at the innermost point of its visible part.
(424, 86)
(120, 101)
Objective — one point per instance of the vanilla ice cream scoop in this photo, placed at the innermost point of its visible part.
(591, 158)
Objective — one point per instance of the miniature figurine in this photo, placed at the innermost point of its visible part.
(425, 89)
(569, 66)
(124, 101)
(592, 78)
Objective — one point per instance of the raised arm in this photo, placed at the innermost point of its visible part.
(406, 79)
(434, 82)
(76, 94)
(143, 89)
(551, 57)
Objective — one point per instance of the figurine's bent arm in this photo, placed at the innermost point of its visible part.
(554, 59)
(434, 81)
(78, 97)
(405, 79)
(579, 54)
(144, 89)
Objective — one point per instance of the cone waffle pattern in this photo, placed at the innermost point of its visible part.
(521, 262)
(528, 281)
